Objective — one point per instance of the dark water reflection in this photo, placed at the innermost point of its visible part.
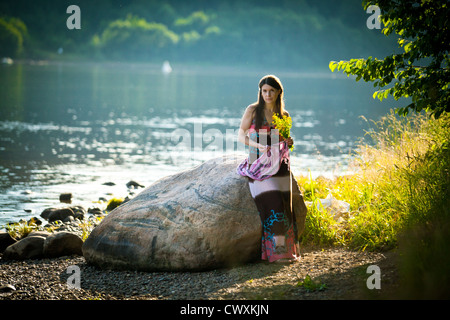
(72, 127)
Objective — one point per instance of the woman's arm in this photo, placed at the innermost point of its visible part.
(246, 122)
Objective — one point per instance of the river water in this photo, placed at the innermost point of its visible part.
(74, 127)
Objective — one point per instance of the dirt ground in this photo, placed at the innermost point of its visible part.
(334, 273)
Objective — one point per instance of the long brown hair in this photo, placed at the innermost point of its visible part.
(258, 113)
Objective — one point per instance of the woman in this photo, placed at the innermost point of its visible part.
(272, 194)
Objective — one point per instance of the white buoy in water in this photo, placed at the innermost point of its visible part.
(7, 60)
(166, 68)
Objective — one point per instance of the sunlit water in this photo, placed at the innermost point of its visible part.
(72, 128)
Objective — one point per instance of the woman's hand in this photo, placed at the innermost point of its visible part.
(263, 148)
(290, 141)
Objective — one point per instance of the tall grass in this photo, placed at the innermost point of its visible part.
(400, 179)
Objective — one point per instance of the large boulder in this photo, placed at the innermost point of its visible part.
(197, 219)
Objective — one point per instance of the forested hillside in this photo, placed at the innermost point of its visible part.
(301, 34)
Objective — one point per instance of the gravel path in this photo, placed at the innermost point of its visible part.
(338, 273)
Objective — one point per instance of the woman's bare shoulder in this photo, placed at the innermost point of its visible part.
(251, 107)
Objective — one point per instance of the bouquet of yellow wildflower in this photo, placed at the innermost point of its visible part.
(283, 125)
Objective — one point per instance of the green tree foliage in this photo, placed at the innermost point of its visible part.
(13, 33)
(138, 37)
(421, 71)
(197, 32)
(299, 35)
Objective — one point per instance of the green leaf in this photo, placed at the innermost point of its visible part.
(332, 65)
(408, 47)
(359, 63)
(375, 94)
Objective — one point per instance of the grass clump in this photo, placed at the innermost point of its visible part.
(400, 179)
(21, 229)
(114, 203)
(311, 285)
(399, 199)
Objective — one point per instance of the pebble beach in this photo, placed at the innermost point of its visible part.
(337, 273)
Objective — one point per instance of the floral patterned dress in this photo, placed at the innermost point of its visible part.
(272, 197)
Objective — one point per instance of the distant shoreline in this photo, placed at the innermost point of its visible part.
(321, 71)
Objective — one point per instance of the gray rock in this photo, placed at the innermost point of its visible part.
(7, 288)
(197, 219)
(53, 214)
(133, 184)
(78, 212)
(5, 240)
(65, 197)
(35, 221)
(62, 244)
(30, 247)
(95, 211)
(44, 234)
(68, 219)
